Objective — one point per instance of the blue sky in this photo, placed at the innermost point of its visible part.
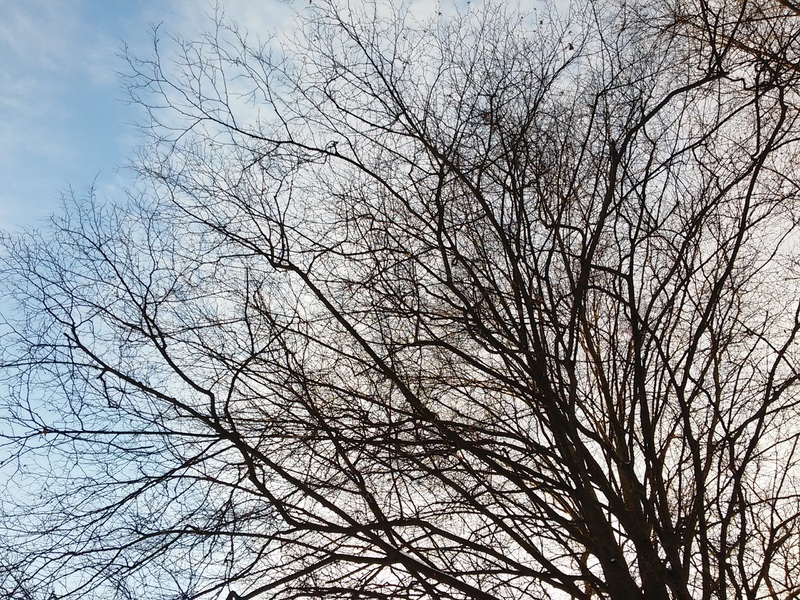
(63, 119)
(63, 122)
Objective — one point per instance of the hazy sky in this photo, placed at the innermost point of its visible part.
(64, 121)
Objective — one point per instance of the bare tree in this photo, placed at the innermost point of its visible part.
(496, 305)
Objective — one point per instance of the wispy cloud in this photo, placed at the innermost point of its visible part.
(59, 101)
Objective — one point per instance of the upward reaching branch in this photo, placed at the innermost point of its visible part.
(493, 306)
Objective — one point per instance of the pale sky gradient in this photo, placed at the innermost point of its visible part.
(64, 122)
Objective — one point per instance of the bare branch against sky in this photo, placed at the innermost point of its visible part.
(478, 303)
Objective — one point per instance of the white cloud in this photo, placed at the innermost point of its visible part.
(39, 33)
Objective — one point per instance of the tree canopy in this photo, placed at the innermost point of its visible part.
(491, 305)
